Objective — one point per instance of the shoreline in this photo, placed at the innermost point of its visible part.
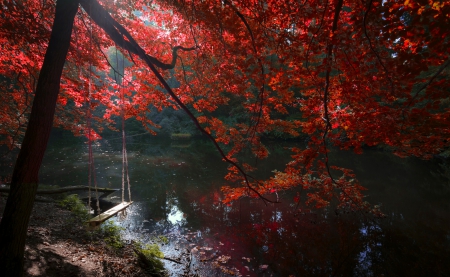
(57, 244)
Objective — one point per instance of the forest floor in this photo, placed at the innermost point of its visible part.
(58, 245)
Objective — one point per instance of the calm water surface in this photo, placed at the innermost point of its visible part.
(176, 185)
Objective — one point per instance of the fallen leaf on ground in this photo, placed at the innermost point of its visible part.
(223, 259)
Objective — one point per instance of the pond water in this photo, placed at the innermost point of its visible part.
(175, 186)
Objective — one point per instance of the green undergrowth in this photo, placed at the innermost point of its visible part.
(111, 234)
(76, 206)
(150, 256)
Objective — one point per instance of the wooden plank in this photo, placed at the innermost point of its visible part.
(99, 219)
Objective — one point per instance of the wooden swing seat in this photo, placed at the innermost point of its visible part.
(99, 219)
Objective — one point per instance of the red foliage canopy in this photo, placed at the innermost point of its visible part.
(344, 73)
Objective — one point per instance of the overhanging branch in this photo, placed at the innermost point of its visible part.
(261, 90)
(325, 99)
(118, 34)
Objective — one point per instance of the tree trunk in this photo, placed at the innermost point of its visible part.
(24, 182)
(106, 191)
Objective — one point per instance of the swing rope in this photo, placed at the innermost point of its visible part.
(117, 76)
(92, 175)
(124, 142)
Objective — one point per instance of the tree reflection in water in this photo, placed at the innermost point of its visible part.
(178, 190)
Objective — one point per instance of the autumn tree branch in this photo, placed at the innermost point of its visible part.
(103, 54)
(325, 98)
(424, 86)
(373, 49)
(261, 90)
(117, 33)
(314, 35)
(328, 61)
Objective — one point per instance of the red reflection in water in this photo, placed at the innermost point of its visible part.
(281, 240)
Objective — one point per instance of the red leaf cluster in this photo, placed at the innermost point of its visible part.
(343, 73)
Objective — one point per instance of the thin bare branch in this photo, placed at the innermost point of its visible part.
(325, 101)
(373, 49)
(424, 86)
(261, 90)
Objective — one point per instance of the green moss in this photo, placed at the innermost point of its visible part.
(45, 187)
(180, 136)
(152, 254)
(152, 250)
(162, 239)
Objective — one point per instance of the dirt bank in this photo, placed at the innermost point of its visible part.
(58, 245)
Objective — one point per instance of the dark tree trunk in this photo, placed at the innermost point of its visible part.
(24, 182)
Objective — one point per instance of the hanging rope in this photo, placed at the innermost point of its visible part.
(92, 175)
(124, 143)
(117, 76)
(88, 124)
